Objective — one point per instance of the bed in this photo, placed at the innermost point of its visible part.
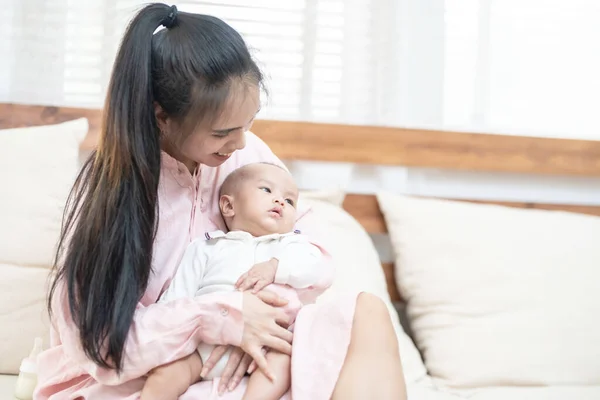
(430, 370)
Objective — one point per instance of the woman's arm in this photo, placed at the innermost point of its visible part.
(159, 333)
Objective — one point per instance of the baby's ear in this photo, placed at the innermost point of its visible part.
(226, 206)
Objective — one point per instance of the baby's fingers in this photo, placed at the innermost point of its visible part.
(260, 285)
(248, 283)
(241, 280)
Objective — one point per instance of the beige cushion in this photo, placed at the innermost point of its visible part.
(536, 393)
(499, 296)
(37, 168)
(23, 315)
(335, 197)
(358, 269)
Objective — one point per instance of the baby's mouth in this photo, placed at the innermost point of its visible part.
(223, 154)
(276, 210)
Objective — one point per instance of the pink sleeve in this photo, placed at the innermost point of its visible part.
(159, 333)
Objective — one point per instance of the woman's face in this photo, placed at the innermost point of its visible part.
(213, 145)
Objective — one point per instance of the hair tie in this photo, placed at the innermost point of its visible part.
(171, 19)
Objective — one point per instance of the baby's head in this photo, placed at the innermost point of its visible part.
(259, 199)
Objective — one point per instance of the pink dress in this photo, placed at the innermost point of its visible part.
(162, 333)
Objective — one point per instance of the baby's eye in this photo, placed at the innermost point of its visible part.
(265, 189)
(290, 202)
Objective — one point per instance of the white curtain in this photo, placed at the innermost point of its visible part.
(510, 66)
(522, 66)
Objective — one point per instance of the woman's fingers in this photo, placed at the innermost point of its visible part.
(261, 362)
(240, 372)
(214, 357)
(282, 318)
(232, 364)
(283, 334)
(252, 367)
(271, 298)
(278, 344)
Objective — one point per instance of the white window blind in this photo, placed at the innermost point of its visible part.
(317, 54)
(523, 66)
(528, 66)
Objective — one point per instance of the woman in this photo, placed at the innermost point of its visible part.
(178, 108)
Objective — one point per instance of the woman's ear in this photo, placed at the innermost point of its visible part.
(162, 118)
(226, 206)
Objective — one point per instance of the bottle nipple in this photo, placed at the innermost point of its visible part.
(37, 348)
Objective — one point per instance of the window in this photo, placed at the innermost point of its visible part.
(523, 66)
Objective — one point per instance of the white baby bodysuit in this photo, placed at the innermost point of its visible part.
(215, 265)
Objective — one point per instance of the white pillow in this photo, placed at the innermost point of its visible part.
(38, 166)
(358, 269)
(23, 315)
(496, 295)
(334, 196)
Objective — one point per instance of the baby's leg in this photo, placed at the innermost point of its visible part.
(262, 388)
(170, 381)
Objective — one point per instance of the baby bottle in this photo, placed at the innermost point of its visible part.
(27, 379)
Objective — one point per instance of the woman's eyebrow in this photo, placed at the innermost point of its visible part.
(227, 130)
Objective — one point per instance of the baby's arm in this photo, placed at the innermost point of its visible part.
(297, 263)
(300, 264)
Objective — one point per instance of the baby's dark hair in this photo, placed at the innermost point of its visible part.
(189, 69)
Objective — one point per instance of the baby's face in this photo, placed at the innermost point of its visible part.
(264, 202)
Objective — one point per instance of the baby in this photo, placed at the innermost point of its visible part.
(258, 204)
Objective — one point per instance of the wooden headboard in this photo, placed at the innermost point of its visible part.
(385, 146)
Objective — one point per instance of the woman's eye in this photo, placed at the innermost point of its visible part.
(290, 202)
(265, 189)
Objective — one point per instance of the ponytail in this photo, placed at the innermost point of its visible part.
(111, 213)
(105, 250)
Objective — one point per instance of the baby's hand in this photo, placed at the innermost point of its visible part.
(259, 276)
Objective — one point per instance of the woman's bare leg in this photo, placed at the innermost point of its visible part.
(372, 368)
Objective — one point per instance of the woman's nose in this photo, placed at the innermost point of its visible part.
(240, 142)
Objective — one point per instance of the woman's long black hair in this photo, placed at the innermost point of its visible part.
(104, 254)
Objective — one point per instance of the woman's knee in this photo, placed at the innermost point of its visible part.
(371, 307)
(372, 324)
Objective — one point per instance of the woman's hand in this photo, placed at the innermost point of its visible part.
(234, 371)
(263, 318)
